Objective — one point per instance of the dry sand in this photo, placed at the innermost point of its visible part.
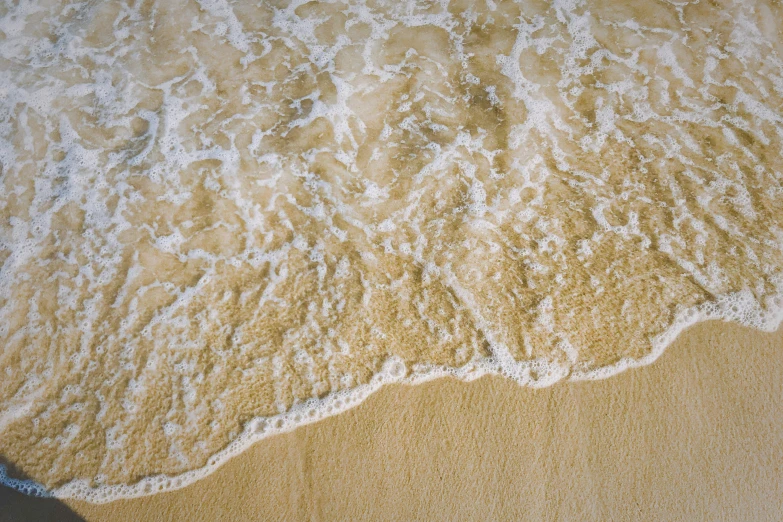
(696, 436)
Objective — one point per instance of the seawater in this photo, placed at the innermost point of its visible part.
(221, 220)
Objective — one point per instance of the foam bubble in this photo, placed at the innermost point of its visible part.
(268, 213)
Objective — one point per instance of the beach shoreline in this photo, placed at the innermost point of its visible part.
(693, 434)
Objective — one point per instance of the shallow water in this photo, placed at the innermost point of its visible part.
(221, 220)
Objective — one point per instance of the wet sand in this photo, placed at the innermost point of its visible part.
(698, 435)
(218, 219)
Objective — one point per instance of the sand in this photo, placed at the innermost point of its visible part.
(698, 435)
(214, 213)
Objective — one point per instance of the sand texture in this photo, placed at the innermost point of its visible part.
(221, 220)
(220, 217)
(698, 435)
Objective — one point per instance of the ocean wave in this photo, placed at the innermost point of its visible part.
(222, 220)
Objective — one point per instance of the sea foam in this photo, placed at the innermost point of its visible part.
(222, 220)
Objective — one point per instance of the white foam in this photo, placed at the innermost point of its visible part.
(189, 130)
(739, 307)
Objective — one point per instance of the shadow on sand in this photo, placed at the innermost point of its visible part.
(19, 507)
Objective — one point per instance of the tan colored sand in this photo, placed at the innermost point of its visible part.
(696, 436)
(243, 206)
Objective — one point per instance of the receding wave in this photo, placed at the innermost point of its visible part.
(220, 220)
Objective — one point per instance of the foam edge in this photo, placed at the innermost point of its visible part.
(740, 307)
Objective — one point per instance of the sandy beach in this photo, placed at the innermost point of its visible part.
(698, 435)
(234, 235)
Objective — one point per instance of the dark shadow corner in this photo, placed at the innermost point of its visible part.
(20, 507)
